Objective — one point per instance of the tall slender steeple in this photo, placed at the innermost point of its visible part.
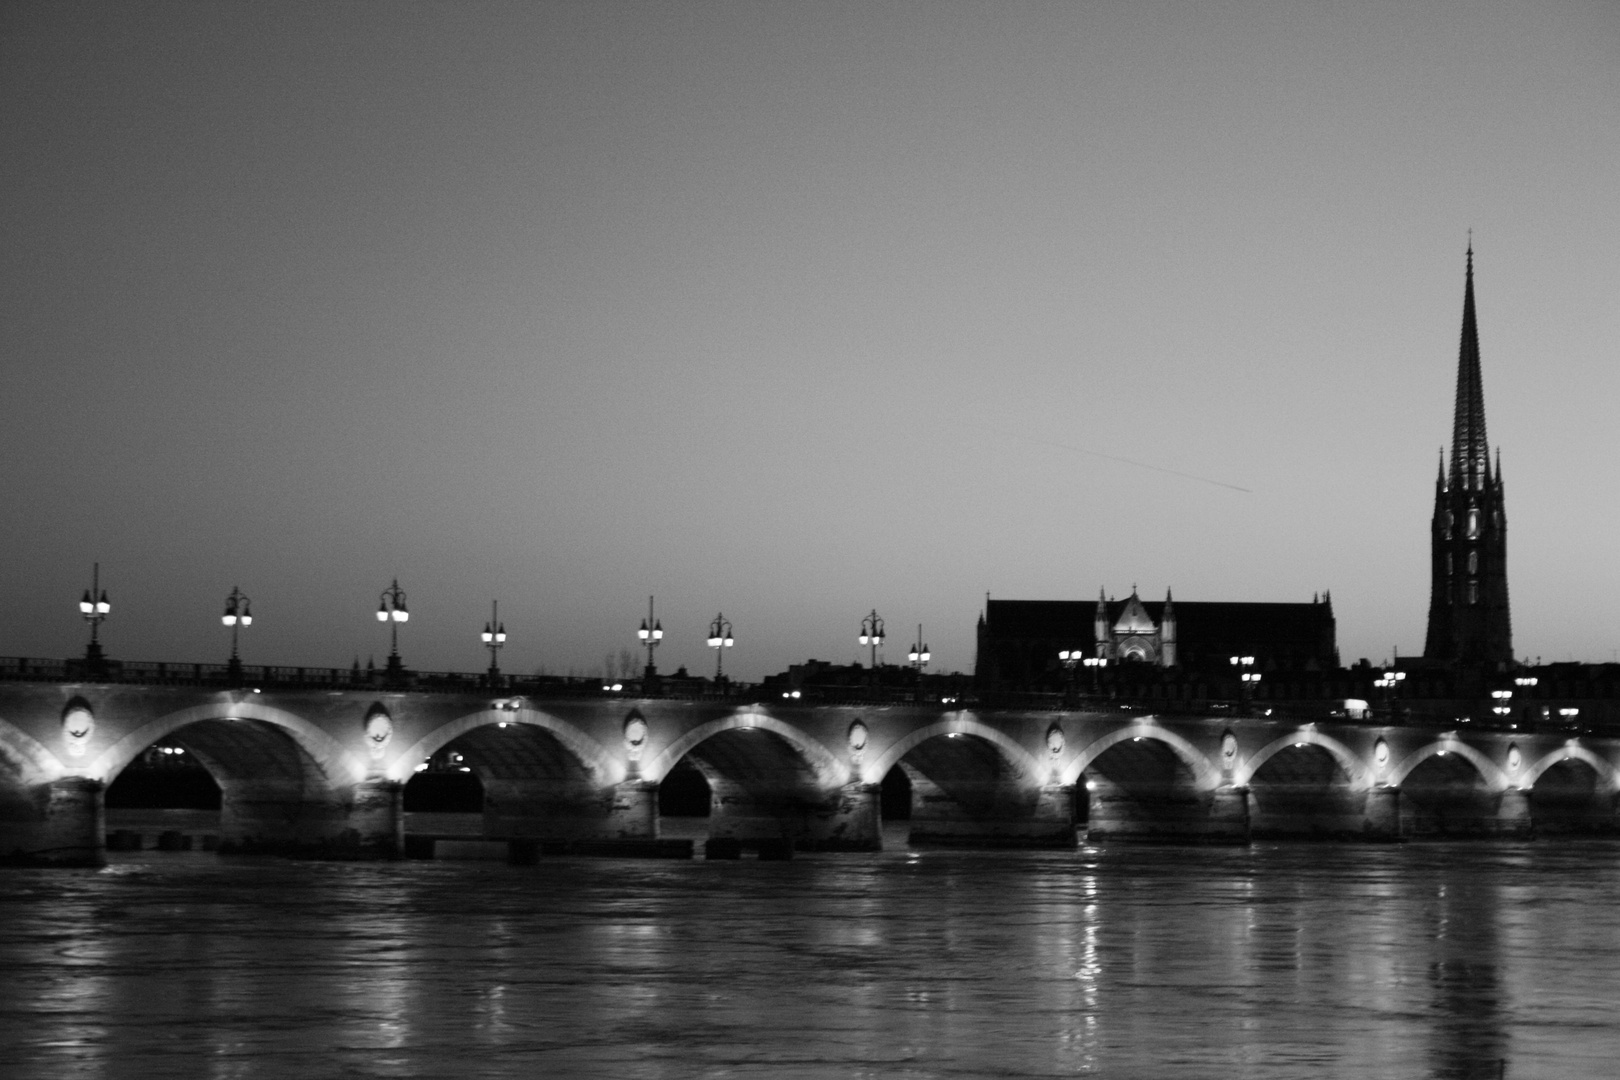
(1469, 619)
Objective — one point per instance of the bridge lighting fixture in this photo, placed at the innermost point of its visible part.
(238, 613)
(919, 657)
(872, 636)
(1566, 713)
(720, 640)
(1071, 659)
(650, 634)
(391, 610)
(791, 694)
(494, 638)
(93, 607)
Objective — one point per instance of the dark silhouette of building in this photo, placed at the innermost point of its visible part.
(1019, 640)
(1468, 594)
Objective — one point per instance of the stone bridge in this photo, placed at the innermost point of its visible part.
(326, 768)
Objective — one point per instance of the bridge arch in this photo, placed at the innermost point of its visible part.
(1019, 758)
(1206, 775)
(1346, 758)
(1569, 752)
(588, 755)
(1490, 773)
(337, 765)
(828, 770)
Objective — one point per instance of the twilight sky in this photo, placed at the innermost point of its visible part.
(792, 310)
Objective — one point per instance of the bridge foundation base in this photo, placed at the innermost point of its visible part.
(1383, 820)
(61, 823)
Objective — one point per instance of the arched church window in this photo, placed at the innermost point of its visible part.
(1473, 524)
(1448, 564)
(1473, 592)
(1447, 526)
(1473, 562)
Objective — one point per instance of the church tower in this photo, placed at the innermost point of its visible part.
(1468, 593)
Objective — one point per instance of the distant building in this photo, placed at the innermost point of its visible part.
(1019, 640)
(1469, 619)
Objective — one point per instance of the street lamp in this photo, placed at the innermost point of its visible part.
(919, 656)
(872, 634)
(1071, 659)
(94, 607)
(720, 640)
(238, 614)
(1095, 663)
(494, 640)
(1250, 678)
(1390, 684)
(391, 610)
(651, 633)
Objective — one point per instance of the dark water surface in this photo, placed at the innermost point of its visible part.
(1270, 961)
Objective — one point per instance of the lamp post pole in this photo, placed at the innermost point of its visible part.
(238, 613)
(720, 640)
(919, 659)
(494, 637)
(872, 634)
(651, 633)
(93, 606)
(391, 610)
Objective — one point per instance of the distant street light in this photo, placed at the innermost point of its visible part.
(238, 614)
(494, 640)
(919, 658)
(872, 634)
(720, 640)
(391, 610)
(651, 633)
(94, 607)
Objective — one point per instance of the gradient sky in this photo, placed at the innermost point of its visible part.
(790, 310)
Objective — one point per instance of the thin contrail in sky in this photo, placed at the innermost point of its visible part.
(1129, 461)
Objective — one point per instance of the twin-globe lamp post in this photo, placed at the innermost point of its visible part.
(872, 634)
(391, 610)
(720, 640)
(651, 633)
(94, 607)
(494, 637)
(1251, 679)
(238, 613)
(919, 657)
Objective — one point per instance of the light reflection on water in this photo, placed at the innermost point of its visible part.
(1268, 961)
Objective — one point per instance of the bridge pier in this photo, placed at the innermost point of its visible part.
(1513, 816)
(856, 821)
(990, 814)
(60, 823)
(1383, 815)
(569, 810)
(377, 815)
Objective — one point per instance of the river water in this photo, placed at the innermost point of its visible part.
(1269, 961)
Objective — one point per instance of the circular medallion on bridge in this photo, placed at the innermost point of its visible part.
(1515, 760)
(857, 739)
(635, 735)
(1381, 755)
(1055, 741)
(1228, 750)
(78, 724)
(379, 731)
